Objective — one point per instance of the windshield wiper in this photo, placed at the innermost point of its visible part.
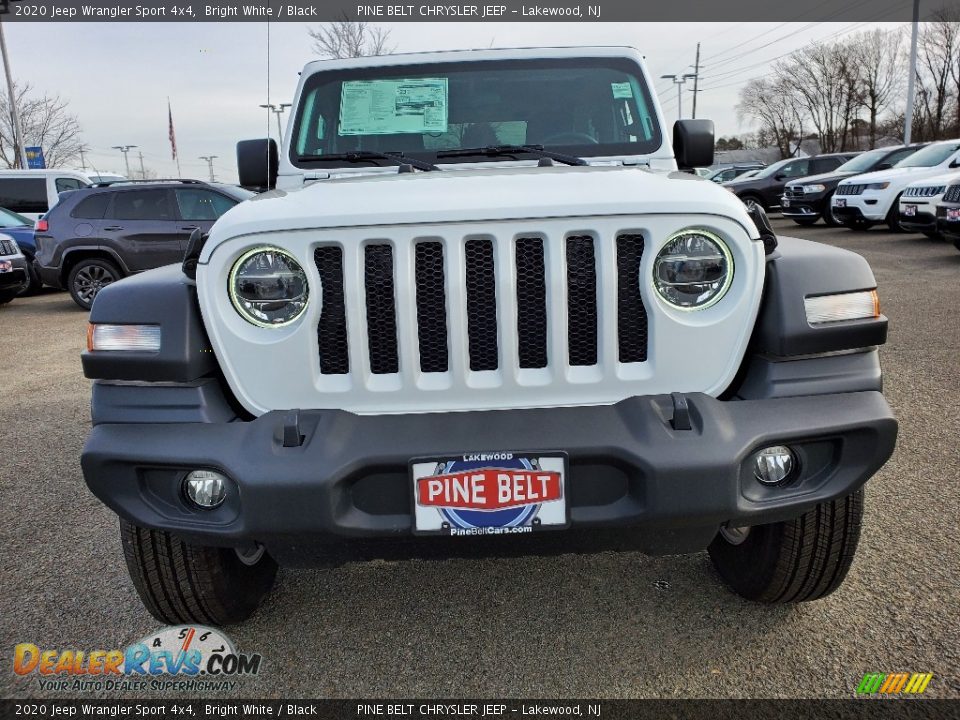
(395, 158)
(498, 150)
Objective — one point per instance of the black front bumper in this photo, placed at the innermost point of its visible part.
(948, 228)
(802, 207)
(629, 468)
(919, 222)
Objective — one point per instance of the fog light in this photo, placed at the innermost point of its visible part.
(773, 465)
(206, 488)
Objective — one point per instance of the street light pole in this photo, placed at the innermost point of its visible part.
(911, 81)
(210, 159)
(20, 141)
(125, 149)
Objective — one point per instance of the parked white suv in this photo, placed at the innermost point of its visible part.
(918, 203)
(865, 200)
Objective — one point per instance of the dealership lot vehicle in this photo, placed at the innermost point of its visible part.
(14, 278)
(31, 193)
(807, 200)
(99, 235)
(20, 228)
(865, 200)
(918, 203)
(948, 215)
(502, 346)
(765, 187)
(726, 173)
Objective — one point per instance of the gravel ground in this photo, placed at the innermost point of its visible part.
(611, 625)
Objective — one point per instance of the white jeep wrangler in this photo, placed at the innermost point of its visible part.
(483, 312)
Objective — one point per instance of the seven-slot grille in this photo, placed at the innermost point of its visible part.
(952, 194)
(385, 294)
(929, 191)
(850, 189)
(7, 247)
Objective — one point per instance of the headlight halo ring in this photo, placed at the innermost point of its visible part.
(725, 251)
(236, 301)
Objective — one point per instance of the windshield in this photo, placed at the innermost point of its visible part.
(863, 162)
(581, 106)
(10, 219)
(930, 156)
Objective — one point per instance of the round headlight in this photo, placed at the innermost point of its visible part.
(268, 287)
(693, 270)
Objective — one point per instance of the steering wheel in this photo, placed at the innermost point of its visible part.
(578, 138)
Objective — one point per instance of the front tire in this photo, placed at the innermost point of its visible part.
(803, 559)
(89, 277)
(750, 201)
(180, 582)
(828, 216)
(893, 216)
(6, 297)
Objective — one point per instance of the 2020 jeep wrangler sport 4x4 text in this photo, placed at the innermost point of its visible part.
(483, 312)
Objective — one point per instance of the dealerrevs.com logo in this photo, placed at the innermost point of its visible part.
(190, 658)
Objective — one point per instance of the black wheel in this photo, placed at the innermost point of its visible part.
(750, 200)
(893, 216)
(6, 297)
(933, 235)
(805, 222)
(88, 277)
(182, 583)
(787, 562)
(828, 216)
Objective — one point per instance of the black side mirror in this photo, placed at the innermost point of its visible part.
(693, 143)
(257, 163)
(955, 163)
(884, 166)
(779, 176)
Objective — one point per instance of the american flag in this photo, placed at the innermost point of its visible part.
(173, 135)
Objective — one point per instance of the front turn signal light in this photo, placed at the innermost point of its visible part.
(843, 306)
(131, 338)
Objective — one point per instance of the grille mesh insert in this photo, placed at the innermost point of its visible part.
(431, 307)
(531, 304)
(481, 304)
(581, 300)
(381, 309)
(631, 314)
(332, 329)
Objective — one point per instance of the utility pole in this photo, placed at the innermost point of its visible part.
(19, 144)
(679, 80)
(125, 149)
(143, 173)
(83, 161)
(278, 110)
(696, 81)
(911, 81)
(210, 159)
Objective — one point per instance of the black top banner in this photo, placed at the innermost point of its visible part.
(492, 11)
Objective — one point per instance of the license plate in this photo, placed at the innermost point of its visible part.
(498, 493)
(6, 266)
(786, 202)
(953, 214)
(909, 210)
(841, 202)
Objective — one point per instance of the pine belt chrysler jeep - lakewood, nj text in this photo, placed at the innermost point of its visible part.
(483, 312)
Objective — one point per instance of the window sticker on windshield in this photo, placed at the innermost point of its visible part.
(385, 107)
(621, 90)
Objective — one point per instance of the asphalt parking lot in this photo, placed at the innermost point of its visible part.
(612, 625)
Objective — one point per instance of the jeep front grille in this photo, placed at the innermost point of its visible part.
(394, 299)
(850, 189)
(952, 194)
(925, 192)
(7, 247)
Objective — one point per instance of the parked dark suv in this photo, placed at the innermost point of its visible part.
(765, 187)
(807, 200)
(97, 235)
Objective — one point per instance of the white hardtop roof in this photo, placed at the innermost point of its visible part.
(441, 56)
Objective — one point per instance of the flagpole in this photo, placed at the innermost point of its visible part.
(173, 142)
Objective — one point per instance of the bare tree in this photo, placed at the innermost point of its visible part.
(878, 64)
(350, 38)
(939, 46)
(774, 104)
(46, 122)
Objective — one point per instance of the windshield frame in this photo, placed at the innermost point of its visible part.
(425, 69)
(953, 146)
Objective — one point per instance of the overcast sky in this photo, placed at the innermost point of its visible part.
(117, 77)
